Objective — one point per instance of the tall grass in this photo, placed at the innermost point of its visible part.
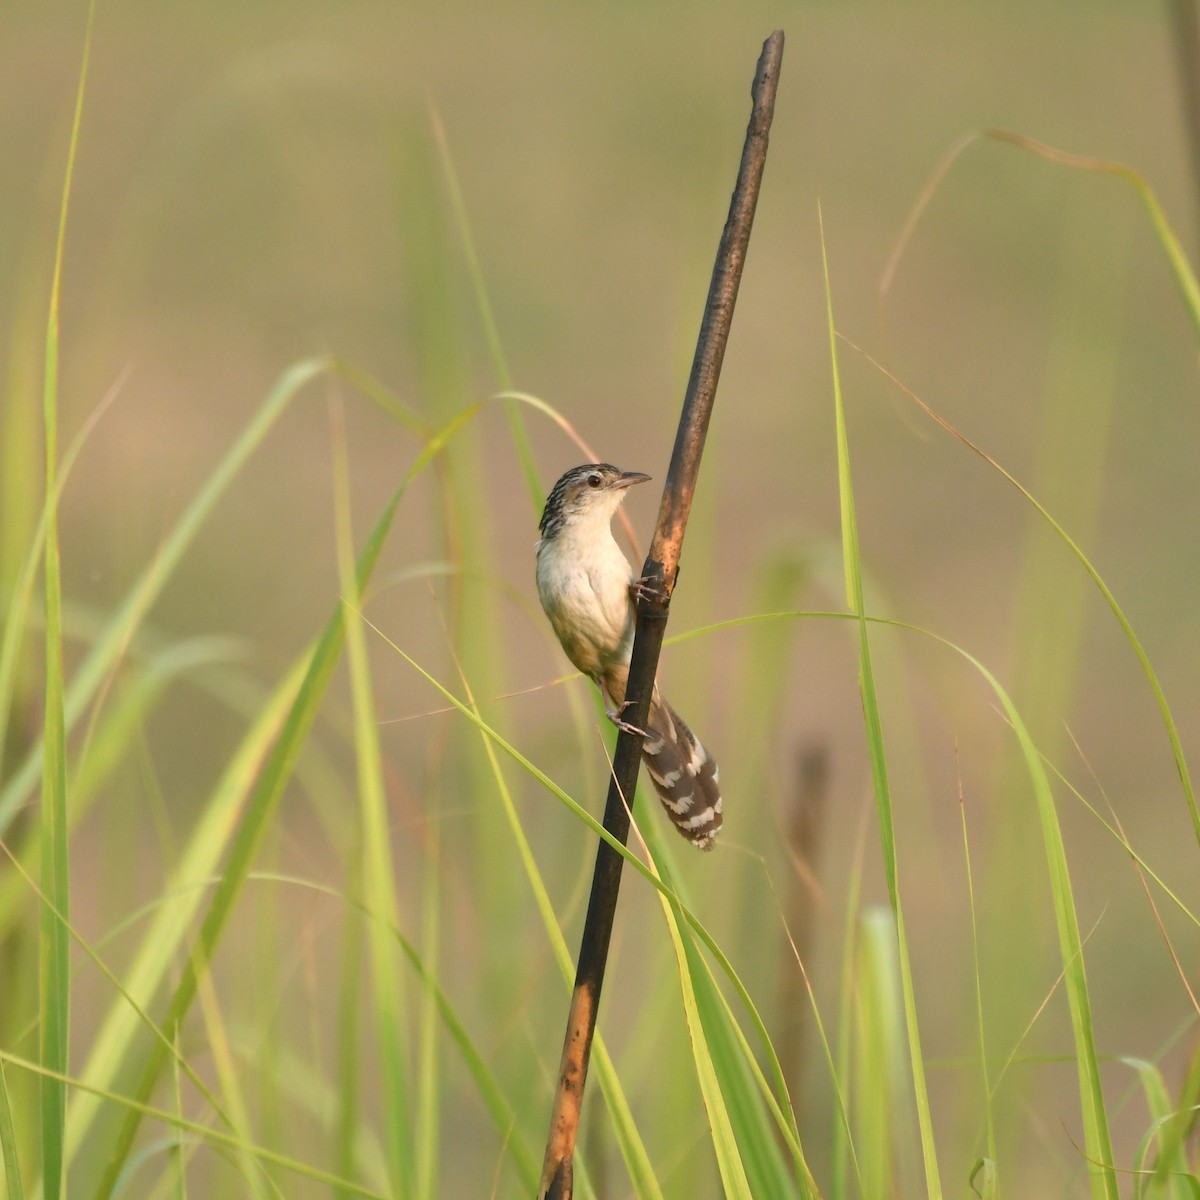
(379, 1016)
(54, 975)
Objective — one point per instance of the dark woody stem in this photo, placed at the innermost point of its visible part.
(658, 576)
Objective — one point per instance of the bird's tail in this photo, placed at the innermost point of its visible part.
(684, 776)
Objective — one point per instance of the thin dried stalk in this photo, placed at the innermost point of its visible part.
(659, 573)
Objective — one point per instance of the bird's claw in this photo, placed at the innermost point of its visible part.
(648, 588)
(614, 715)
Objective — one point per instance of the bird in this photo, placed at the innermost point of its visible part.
(587, 589)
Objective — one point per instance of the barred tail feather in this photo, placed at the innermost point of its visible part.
(684, 776)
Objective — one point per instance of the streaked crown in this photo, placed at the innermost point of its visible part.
(581, 490)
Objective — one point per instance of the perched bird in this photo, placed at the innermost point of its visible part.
(587, 589)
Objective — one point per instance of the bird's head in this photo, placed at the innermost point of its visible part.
(586, 494)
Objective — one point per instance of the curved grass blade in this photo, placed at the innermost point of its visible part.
(1139, 650)
(1091, 1095)
(1098, 1144)
(17, 585)
(878, 757)
(357, 1149)
(745, 1092)
(1167, 1173)
(503, 1116)
(1097, 1141)
(107, 745)
(1189, 287)
(984, 1179)
(110, 643)
(1177, 260)
(210, 1136)
(520, 435)
(735, 1184)
(761, 1113)
(130, 1001)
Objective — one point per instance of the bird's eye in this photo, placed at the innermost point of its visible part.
(593, 480)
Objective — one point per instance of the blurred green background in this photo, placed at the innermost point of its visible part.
(260, 183)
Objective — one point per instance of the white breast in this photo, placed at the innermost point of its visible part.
(583, 583)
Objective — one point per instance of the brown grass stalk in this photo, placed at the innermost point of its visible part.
(659, 574)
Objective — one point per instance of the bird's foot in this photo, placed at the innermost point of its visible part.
(648, 588)
(614, 715)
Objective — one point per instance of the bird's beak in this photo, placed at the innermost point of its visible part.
(629, 478)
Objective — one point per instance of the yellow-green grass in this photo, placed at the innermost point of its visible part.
(337, 960)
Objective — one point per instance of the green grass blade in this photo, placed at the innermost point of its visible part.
(55, 986)
(1098, 1144)
(991, 1182)
(629, 1141)
(1190, 289)
(725, 1148)
(487, 316)
(348, 1035)
(54, 952)
(1177, 260)
(1170, 1171)
(214, 1137)
(879, 772)
(126, 998)
(17, 583)
(112, 739)
(115, 733)
(440, 360)
(760, 1110)
(250, 834)
(493, 738)
(110, 644)
(255, 1180)
(163, 943)
(1098, 1147)
(378, 879)
(21, 508)
(8, 1145)
(489, 1088)
(844, 1154)
(427, 1114)
(984, 1179)
(1139, 650)
(746, 1094)
(384, 399)
(262, 805)
(880, 1072)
